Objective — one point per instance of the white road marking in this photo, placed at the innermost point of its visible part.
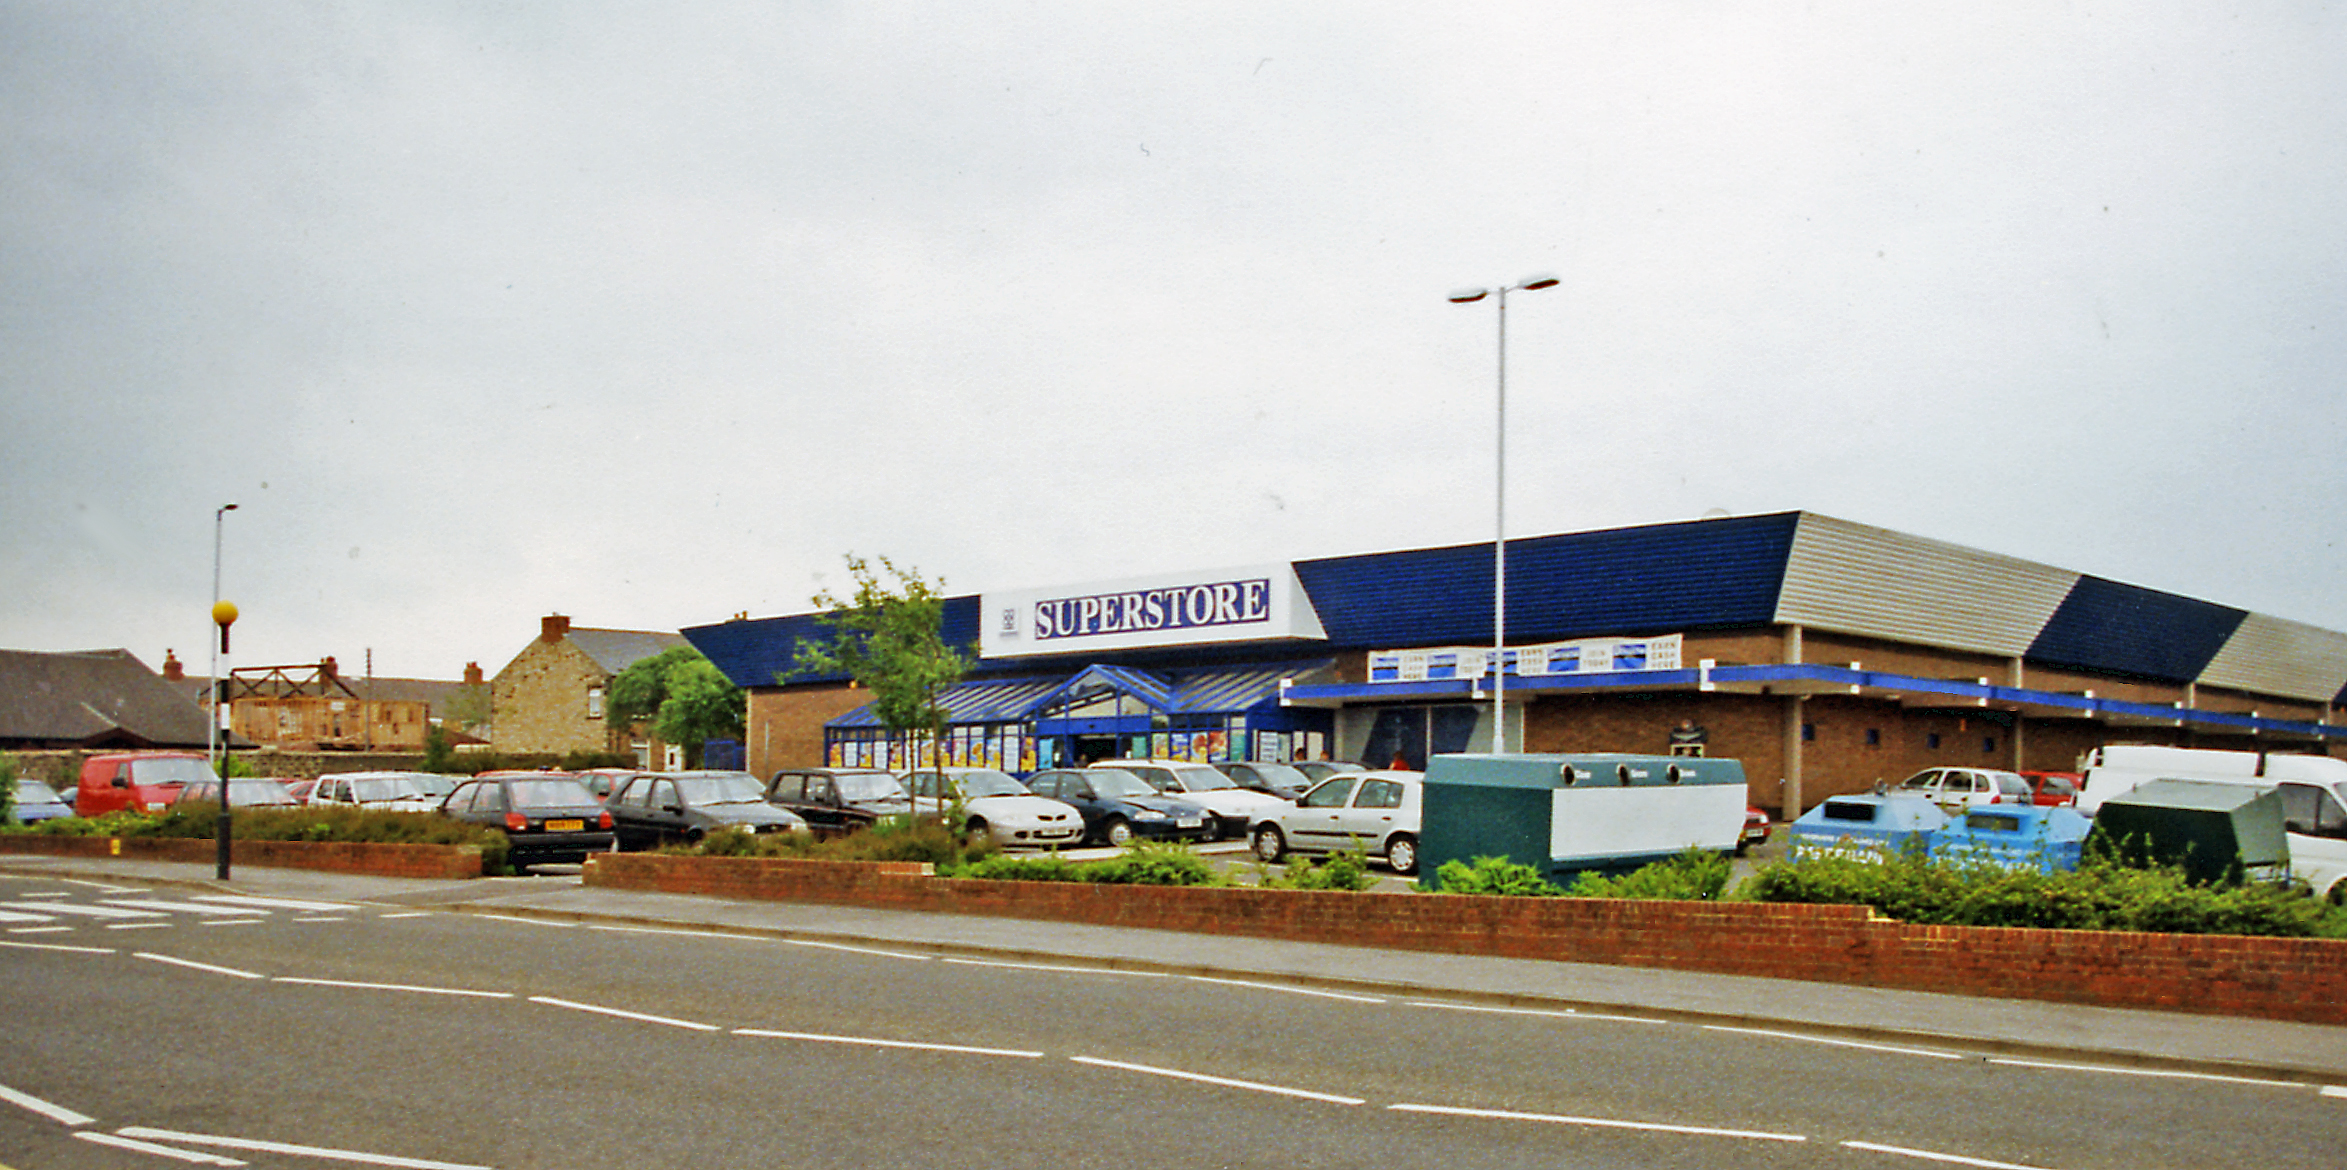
(50, 1110)
(139, 925)
(662, 930)
(408, 914)
(40, 930)
(808, 942)
(319, 918)
(1929, 1156)
(107, 887)
(1289, 990)
(1602, 1123)
(392, 987)
(526, 921)
(867, 1041)
(181, 907)
(195, 966)
(206, 1139)
(133, 1144)
(274, 903)
(1201, 1078)
(2145, 1072)
(52, 909)
(550, 1001)
(1061, 968)
(58, 947)
(2335, 1090)
(48, 894)
(1556, 1013)
(1836, 1043)
(236, 922)
(21, 916)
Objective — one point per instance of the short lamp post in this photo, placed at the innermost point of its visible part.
(1499, 542)
(223, 616)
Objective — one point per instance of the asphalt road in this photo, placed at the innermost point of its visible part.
(193, 1023)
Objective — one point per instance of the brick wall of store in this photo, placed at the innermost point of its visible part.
(1746, 728)
(539, 702)
(785, 727)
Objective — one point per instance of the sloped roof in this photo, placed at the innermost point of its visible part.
(616, 650)
(93, 698)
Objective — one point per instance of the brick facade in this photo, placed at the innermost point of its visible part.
(785, 728)
(549, 700)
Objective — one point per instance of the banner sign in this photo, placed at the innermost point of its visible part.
(1236, 605)
(1589, 656)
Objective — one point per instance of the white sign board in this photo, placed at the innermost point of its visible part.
(1229, 605)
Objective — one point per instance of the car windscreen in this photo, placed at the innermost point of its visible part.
(1199, 778)
(731, 788)
(384, 788)
(172, 771)
(988, 782)
(1920, 780)
(35, 792)
(1282, 776)
(1118, 784)
(868, 786)
(550, 792)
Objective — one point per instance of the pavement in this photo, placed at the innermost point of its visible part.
(2102, 1037)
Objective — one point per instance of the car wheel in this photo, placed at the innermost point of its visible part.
(1269, 844)
(1213, 828)
(2339, 893)
(1402, 854)
(977, 829)
(1116, 832)
(693, 838)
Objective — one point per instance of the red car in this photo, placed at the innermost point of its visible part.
(1755, 830)
(2053, 788)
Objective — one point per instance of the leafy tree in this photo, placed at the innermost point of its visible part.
(8, 775)
(467, 707)
(682, 695)
(439, 754)
(889, 637)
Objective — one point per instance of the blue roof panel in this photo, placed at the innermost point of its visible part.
(2110, 628)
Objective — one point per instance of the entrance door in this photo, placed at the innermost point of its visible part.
(1405, 737)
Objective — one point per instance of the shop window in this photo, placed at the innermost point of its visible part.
(1874, 737)
(1932, 741)
(1809, 733)
(1988, 743)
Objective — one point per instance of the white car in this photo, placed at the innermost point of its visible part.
(1234, 808)
(1374, 812)
(996, 804)
(397, 791)
(1960, 788)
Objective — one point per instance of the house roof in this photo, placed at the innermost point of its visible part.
(616, 650)
(93, 698)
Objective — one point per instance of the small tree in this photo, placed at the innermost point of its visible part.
(889, 638)
(682, 695)
(8, 774)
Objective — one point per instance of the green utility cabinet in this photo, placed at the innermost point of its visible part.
(1566, 813)
(2217, 831)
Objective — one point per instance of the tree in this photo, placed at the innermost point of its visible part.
(682, 695)
(889, 637)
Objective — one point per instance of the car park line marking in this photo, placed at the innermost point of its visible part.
(40, 930)
(59, 947)
(1929, 1156)
(2145, 1072)
(1289, 990)
(21, 916)
(392, 987)
(235, 921)
(195, 966)
(1836, 1043)
(56, 908)
(868, 1041)
(133, 1144)
(49, 1109)
(1602, 1123)
(181, 907)
(1058, 967)
(316, 918)
(206, 1139)
(550, 1001)
(48, 894)
(1558, 1013)
(1226, 1082)
(831, 946)
(139, 925)
(275, 903)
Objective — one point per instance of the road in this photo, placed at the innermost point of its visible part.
(200, 1024)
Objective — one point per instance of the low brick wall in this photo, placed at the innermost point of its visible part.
(442, 862)
(2301, 980)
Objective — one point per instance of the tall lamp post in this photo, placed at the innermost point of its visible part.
(223, 616)
(1499, 542)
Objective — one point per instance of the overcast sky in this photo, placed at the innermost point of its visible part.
(646, 314)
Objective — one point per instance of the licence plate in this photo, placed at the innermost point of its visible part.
(565, 826)
(1190, 822)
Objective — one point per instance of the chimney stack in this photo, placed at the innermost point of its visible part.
(472, 674)
(327, 669)
(553, 626)
(172, 670)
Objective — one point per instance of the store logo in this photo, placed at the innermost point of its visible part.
(1185, 607)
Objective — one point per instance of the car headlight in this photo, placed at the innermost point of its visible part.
(1150, 814)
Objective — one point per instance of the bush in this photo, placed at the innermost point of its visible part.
(1696, 875)
(200, 821)
(1348, 870)
(8, 774)
(1493, 875)
(894, 839)
(1141, 864)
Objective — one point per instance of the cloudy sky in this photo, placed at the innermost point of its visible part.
(646, 314)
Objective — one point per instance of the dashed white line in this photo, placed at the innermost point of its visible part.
(873, 1043)
(235, 921)
(182, 907)
(2335, 1090)
(1930, 1156)
(1807, 1039)
(21, 916)
(831, 946)
(665, 930)
(207, 1139)
(198, 1157)
(51, 1110)
(2145, 1072)
(195, 966)
(275, 903)
(1555, 1013)
(40, 930)
(526, 921)
(1289, 990)
(407, 914)
(393, 987)
(59, 947)
(139, 925)
(550, 1001)
(1061, 968)
(53, 909)
(1255, 1086)
(1601, 1123)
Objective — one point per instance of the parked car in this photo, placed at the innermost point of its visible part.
(394, 791)
(1319, 770)
(36, 801)
(1755, 831)
(1374, 812)
(243, 792)
(996, 804)
(137, 781)
(2053, 788)
(653, 808)
(602, 781)
(1234, 808)
(1958, 788)
(1280, 780)
(300, 790)
(838, 800)
(1118, 806)
(545, 816)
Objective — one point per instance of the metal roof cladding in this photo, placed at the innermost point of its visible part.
(1785, 568)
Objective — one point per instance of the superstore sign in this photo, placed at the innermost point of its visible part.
(1221, 603)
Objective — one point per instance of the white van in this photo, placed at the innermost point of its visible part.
(2313, 789)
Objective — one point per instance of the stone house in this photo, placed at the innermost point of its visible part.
(550, 698)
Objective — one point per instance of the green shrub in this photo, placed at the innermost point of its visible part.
(1032, 867)
(1696, 875)
(1493, 875)
(8, 774)
(894, 839)
(1146, 863)
(1348, 870)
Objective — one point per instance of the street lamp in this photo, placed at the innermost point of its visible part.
(223, 616)
(1499, 542)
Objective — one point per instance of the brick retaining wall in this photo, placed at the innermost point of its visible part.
(2302, 980)
(439, 862)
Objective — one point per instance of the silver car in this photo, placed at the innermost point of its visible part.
(995, 803)
(1374, 812)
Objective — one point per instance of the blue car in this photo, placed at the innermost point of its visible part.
(36, 801)
(1119, 806)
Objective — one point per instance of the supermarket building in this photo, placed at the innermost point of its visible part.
(1826, 655)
